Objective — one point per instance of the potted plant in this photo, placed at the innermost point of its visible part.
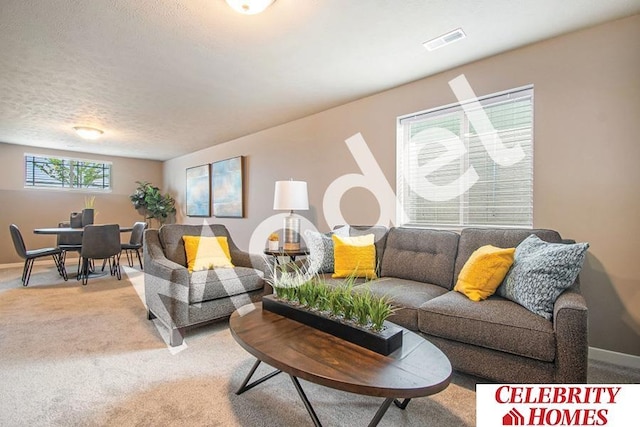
(274, 241)
(88, 213)
(150, 202)
(358, 317)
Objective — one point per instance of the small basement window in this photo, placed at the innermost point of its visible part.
(66, 173)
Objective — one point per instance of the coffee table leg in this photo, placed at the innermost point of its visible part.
(403, 404)
(312, 413)
(381, 411)
(244, 387)
(306, 402)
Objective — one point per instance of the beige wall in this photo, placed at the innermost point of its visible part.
(32, 208)
(586, 183)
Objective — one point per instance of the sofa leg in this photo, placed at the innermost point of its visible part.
(175, 337)
(150, 315)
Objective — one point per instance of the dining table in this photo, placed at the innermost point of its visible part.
(70, 230)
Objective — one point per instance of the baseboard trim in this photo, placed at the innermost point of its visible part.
(608, 356)
(11, 265)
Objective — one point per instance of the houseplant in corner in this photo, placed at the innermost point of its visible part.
(150, 202)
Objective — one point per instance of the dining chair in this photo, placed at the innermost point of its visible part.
(135, 243)
(30, 256)
(69, 243)
(100, 242)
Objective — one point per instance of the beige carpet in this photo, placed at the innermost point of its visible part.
(86, 356)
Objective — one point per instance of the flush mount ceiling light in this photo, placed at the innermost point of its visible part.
(249, 7)
(87, 132)
(445, 39)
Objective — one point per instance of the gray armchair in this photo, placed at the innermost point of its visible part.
(180, 299)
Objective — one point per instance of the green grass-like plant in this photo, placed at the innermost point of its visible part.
(381, 309)
(323, 296)
(362, 307)
(296, 285)
(286, 281)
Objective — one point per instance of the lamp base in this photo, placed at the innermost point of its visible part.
(291, 233)
(291, 246)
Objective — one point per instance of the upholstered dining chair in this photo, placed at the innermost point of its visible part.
(30, 256)
(69, 243)
(100, 242)
(135, 243)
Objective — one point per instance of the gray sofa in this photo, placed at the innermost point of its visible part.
(496, 339)
(181, 299)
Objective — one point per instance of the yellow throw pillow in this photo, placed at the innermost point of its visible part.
(354, 256)
(483, 272)
(204, 253)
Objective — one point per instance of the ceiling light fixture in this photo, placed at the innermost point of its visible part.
(87, 132)
(445, 39)
(249, 7)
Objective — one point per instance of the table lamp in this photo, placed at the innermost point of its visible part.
(289, 196)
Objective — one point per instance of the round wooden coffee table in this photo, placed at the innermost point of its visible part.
(416, 369)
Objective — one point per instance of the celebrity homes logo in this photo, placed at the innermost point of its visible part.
(556, 404)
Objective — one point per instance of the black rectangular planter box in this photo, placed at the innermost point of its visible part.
(384, 342)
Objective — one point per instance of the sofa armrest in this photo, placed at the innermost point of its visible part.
(570, 323)
(166, 283)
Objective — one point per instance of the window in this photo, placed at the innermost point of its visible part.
(468, 164)
(58, 172)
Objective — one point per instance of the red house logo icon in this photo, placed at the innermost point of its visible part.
(513, 418)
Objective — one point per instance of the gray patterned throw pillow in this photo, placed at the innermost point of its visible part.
(321, 249)
(541, 271)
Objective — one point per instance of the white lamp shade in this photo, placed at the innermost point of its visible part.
(290, 196)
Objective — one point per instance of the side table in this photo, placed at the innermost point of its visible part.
(282, 252)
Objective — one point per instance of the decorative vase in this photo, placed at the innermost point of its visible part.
(384, 342)
(75, 220)
(87, 216)
(274, 245)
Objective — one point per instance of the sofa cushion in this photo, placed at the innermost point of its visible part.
(206, 253)
(422, 255)
(406, 295)
(494, 323)
(484, 271)
(320, 259)
(541, 272)
(209, 285)
(473, 238)
(379, 236)
(354, 256)
(173, 245)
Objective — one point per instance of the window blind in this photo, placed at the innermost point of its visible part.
(454, 170)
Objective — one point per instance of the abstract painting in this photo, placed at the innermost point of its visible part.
(198, 191)
(226, 180)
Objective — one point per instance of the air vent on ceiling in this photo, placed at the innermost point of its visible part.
(445, 39)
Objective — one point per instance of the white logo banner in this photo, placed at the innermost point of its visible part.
(557, 405)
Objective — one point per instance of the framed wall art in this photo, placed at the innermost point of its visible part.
(227, 184)
(199, 191)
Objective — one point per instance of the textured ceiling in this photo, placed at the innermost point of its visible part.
(164, 78)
